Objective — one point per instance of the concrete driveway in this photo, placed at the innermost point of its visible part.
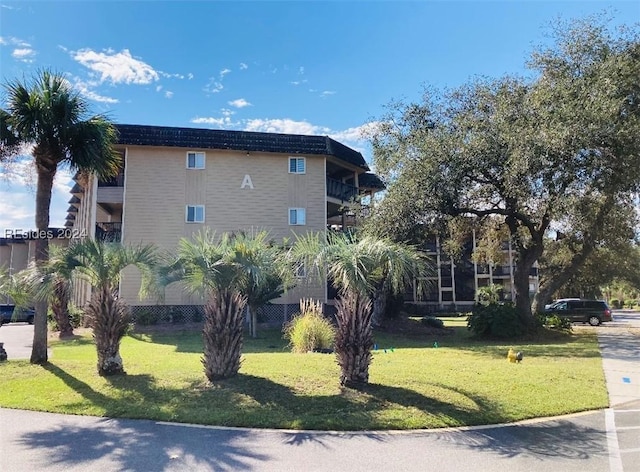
(17, 339)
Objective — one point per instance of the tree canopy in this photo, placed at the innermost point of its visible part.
(552, 153)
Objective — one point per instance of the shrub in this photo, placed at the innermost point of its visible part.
(432, 321)
(310, 330)
(76, 316)
(146, 317)
(555, 322)
(615, 304)
(495, 320)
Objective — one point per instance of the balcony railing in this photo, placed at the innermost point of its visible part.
(341, 191)
(109, 232)
(117, 181)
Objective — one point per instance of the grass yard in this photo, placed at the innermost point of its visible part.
(413, 383)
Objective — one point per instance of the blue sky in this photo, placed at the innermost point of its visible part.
(295, 67)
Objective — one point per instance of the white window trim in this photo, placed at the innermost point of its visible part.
(186, 214)
(296, 159)
(304, 211)
(204, 160)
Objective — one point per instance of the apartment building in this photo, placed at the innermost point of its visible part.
(456, 281)
(176, 181)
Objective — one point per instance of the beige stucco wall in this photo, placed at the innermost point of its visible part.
(158, 186)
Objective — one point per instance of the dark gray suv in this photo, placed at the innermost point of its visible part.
(579, 310)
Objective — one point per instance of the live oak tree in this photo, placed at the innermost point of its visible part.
(47, 113)
(522, 153)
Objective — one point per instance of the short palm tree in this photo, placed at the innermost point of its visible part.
(357, 266)
(101, 264)
(227, 272)
(14, 288)
(53, 282)
(49, 114)
(261, 260)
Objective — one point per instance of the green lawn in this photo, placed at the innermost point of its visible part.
(413, 384)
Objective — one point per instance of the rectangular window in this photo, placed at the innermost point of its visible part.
(297, 165)
(195, 214)
(195, 160)
(297, 216)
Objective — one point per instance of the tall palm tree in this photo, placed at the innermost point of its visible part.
(49, 114)
(227, 272)
(101, 264)
(357, 266)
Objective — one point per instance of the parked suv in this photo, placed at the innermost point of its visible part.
(8, 314)
(593, 312)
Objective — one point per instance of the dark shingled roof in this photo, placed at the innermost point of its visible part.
(194, 138)
(369, 180)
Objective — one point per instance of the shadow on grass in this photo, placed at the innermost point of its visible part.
(190, 341)
(133, 445)
(359, 409)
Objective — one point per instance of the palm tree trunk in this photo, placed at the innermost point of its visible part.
(354, 339)
(222, 334)
(110, 319)
(60, 308)
(46, 170)
(380, 297)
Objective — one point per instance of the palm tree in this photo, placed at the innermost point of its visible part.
(227, 272)
(47, 113)
(357, 266)
(101, 264)
(261, 260)
(53, 282)
(12, 287)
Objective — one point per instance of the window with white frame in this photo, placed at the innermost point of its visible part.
(297, 165)
(297, 216)
(195, 214)
(195, 160)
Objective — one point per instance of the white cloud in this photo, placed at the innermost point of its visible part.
(327, 93)
(285, 125)
(168, 94)
(189, 76)
(298, 82)
(86, 89)
(356, 134)
(301, 70)
(13, 41)
(224, 72)
(158, 88)
(243, 66)
(17, 191)
(23, 54)
(239, 103)
(115, 67)
(222, 122)
(213, 86)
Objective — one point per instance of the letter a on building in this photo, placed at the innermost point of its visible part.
(246, 182)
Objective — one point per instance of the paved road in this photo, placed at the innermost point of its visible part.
(17, 339)
(605, 440)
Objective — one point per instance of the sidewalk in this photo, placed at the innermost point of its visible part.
(620, 349)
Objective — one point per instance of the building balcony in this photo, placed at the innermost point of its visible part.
(109, 232)
(341, 191)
